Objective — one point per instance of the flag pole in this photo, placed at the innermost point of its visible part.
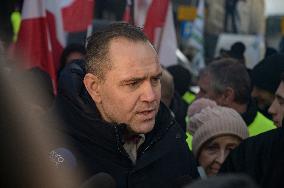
(160, 40)
(131, 21)
(88, 33)
(89, 29)
(162, 31)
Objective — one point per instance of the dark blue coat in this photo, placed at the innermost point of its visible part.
(261, 157)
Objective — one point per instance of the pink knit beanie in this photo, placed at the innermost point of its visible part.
(198, 105)
(215, 121)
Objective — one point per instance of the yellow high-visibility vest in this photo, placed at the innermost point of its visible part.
(188, 97)
(16, 22)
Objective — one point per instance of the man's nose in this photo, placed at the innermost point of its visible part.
(271, 109)
(149, 93)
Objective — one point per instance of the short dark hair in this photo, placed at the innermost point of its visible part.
(228, 72)
(69, 49)
(97, 61)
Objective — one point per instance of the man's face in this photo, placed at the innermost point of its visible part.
(131, 91)
(206, 91)
(277, 107)
(263, 97)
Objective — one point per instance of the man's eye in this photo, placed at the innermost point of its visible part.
(280, 101)
(133, 84)
(156, 80)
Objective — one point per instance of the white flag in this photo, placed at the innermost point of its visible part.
(156, 19)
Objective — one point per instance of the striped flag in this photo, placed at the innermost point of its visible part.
(196, 39)
(168, 44)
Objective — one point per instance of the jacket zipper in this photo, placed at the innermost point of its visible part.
(119, 145)
(157, 139)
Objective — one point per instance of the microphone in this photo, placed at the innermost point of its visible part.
(101, 180)
(62, 158)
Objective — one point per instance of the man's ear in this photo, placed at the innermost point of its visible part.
(228, 96)
(92, 84)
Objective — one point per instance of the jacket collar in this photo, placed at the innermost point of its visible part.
(89, 127)
(84, 121)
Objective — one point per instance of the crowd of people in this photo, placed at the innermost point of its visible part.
(127, 121)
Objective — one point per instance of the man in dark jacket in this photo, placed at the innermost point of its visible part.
(113, 116)
(262, 156)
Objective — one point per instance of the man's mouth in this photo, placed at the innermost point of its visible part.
(147, 114)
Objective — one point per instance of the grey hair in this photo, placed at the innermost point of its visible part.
(228, 72)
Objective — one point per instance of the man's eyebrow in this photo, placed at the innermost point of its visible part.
(137, 79)
(158, 75)
(134, 79)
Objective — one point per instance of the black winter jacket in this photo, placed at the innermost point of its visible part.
(261, 157)
(162, 160)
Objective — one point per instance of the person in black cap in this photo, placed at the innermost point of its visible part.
(71, 52)
(265, 79)
(182, 80)
(237, 52)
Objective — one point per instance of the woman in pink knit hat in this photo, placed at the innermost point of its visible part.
(216, 131)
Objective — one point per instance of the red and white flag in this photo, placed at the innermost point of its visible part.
(77, 14)
(127, 16)
(168, 42)
(156, 19)
(41, 38)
